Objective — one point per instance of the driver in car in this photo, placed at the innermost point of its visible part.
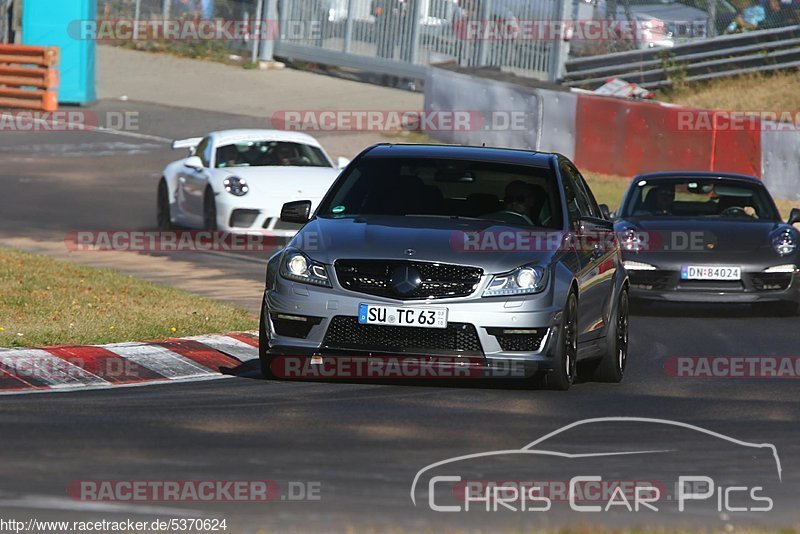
(518, 203)
(665, 196)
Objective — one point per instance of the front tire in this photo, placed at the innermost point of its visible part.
(563, 373)
(209, 211)
(611, 367)
(163, 214)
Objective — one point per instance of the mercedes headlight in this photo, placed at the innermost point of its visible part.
(235, 186)
(784, 242)
(298, 267)
(521, 281)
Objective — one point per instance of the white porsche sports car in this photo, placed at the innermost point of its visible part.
(238, 180)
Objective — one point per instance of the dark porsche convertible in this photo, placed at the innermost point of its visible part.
(708, 237)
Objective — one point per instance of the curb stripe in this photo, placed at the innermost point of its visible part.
(10, 382)
(247, 339)
(163, 361)
(230, 346)
(121, 365)
(105, 364)
(199, 353)
(38, 365)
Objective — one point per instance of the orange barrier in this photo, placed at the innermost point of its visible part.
(44, 56)
(29, 77)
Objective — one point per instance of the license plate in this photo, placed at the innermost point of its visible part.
(394, 316)
(697, 272)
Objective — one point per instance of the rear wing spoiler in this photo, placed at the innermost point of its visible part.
(190, 143)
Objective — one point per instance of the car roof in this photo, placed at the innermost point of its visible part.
(234, 136)
(474, 153)
(698, 174)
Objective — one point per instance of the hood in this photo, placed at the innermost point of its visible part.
(719, 235)
(285, 183)
(491, 246)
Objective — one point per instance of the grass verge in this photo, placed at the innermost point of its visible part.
(47, 302)
(752, 92)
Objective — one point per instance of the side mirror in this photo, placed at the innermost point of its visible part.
(605, 211)
(193, 162)
(341, 162)
(794, 216)
(296, 212)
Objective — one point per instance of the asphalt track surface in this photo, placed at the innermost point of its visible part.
(362, 443)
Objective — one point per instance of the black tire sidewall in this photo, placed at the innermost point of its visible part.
(209, 211)
(557, 378)
(163, 215)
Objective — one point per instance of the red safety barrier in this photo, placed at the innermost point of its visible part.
(624, 137)
(29, 77)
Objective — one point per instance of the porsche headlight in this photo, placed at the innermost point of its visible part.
(521, 281)
(298, 267)
(632, 241)
(236, 186)
(784, 242)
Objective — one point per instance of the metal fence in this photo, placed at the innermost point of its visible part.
(700, 60)
(404, 37)
(397, 37)
(6, 21)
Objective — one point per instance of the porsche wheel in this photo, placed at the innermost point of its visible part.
(209, 211)
(163, 216)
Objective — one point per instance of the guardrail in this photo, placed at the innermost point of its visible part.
(728, 55)
(29, 77)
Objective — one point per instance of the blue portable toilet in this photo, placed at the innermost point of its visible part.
(49, 23)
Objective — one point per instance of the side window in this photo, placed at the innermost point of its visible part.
(576, 203)
(203, 151)
(594, 209)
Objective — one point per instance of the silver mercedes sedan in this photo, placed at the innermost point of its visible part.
(492, 258)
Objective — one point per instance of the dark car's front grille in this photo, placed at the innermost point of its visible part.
(347, 333)
(437, 280)
(656, 280)
(770, 281)
(517, 341)
(711, 285)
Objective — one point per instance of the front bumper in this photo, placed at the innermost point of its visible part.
(332, 328)
(755, 286)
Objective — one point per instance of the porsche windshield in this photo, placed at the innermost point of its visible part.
(270, 153)
(690, 197)
(511, 194)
